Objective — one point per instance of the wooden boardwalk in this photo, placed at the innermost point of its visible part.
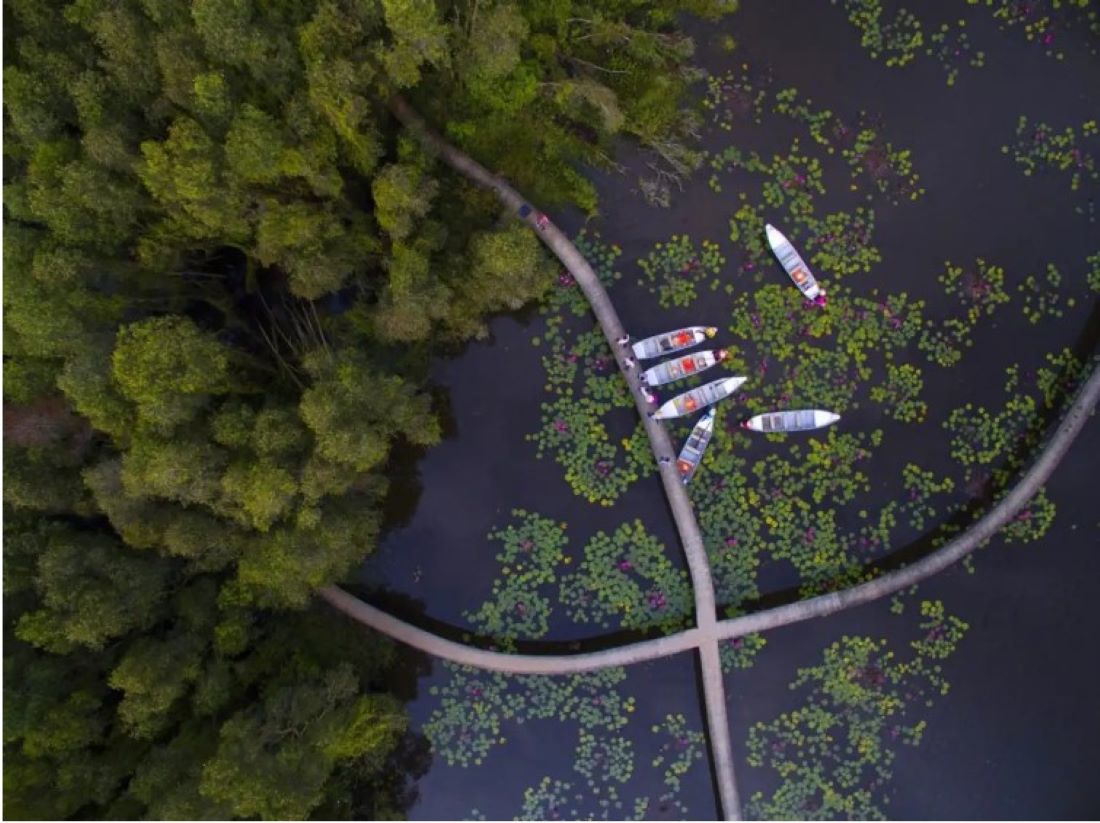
(708, 631)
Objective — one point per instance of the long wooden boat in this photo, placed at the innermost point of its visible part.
(791, 421)
(681, 367)
(699, 398)
(793, 264)
(673, 341)
(691, 455)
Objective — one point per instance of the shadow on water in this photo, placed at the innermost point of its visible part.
(402, 470)
(413, 611)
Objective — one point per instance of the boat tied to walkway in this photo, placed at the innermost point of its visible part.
(794, 265)
(681, 367)
(699, 398)
(691, 455)
(791, 421)
(673, 341)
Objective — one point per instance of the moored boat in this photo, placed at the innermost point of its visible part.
(791, 421)
(699, 398)
(673, 341)
(691, 455)
(794, 265)
(681, 367)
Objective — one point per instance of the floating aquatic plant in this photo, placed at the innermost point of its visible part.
(978, 290)
(473, 706)
(737, 96)
(920, 487)
(683, 748)
(674, 269)
(1040, 147)
(842, 243)
(1092, 275)
(992, 446)
(835, 754)
(517, 610)
(861, 142)
(1042, 297)
(1042, 20)
(900, 393)
(950, 46)
(889, 169)
(897, 40)
(607, 762)
(585, 385)
(626, 581)
(547, 801)
(740, 652)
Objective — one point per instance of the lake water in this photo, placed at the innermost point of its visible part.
(1015, 735)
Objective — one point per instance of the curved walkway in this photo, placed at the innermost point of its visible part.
(974, 537)
(709, 631)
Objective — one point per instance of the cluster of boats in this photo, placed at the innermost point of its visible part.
(708, 394)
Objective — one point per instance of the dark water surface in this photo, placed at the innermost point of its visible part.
(1017, 735)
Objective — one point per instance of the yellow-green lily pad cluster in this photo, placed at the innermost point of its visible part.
(977, 291)
(519, 607)
(1041, 147)
(674, 269)
(1041, 21)
(1042, 297)
(474, 705)
(835, 754)
(993, 446)
(899, 39)
(737, 96)
(627, 581)
(585, 388)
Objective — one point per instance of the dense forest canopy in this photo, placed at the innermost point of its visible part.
(226, 267)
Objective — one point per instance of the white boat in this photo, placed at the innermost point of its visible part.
(691, 455)
(673, 341)
(793, 264)
(791, 421)
(699, 398)
(680, 367)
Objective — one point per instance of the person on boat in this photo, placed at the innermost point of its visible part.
(820, 300)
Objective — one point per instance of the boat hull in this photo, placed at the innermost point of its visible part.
(699, 398)
(793, 264)
(691, 455)
(673, 341)
(791, 421)
(680, 367)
